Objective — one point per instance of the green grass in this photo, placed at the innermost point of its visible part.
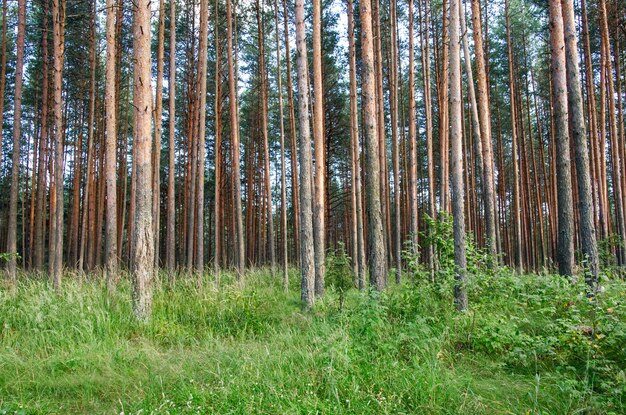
(525, 348)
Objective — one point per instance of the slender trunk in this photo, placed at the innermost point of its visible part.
(158, 129)
(58, 16)
(456, 161)
(17, 134)
(110, 255)
(563, 165)
(484, 114)
(577, 121)
(295, 191)
(517, 221)
(3, 62)
(377, 257)
(234, 136)
(171, 178)
(355, 153)
(283, 180)
(142, 259)
(43, 139)
(307, 253)
(266, 150)
(413, 137)
(202, 71)
(319, 226)
(613, 132)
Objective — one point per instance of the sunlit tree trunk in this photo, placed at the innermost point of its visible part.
(484, 114)
(283, 179)
(456, 161)
(202, 70)
(158, 128)
(307, 252)
(234, 136)
(17, 124)
(319, 226)
(142, 258)
(170, 248)
(40, 216)
(355, 153)
(377, 257)
(266, 150)
(56, 252)
(110, 254)
(515, 213)
(564, 179)
(577, 121)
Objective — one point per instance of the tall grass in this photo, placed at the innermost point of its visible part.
(252, 350)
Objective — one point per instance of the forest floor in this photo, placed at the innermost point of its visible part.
(529, 345)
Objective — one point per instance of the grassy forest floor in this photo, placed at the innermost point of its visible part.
(529, 345)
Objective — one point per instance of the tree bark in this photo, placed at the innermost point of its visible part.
(563, 165)
(17, 135)
(234, 136)
(158, 129)
(577, 121)
(517, 221)
(283, 180)
(170, 249)
(307, 252)
(142, 259)
(355, 153)
(456, 161)
(58, 16)
(202, 71)
(110, 151)
(319, 217)
(377, 257)
(484, 114)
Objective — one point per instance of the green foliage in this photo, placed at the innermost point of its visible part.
(530, 344)
(6, 256)
(339, 272)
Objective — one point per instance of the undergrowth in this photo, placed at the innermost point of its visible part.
(530, 344)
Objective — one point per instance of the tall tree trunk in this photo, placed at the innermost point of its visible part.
(170, 249)
(613, 132)
(577, 121)
(142, 259)
(283, 179)
(319, 226)
(432, 191)
(355, 153)
(158, 128)
(444, 118)
(456, 161)
(517, 221)
(202, 70)
(413, 137)
(3, 61)
(393, 93)
(563, 165)
(218, 149)
(377, 257)
(17, 135)
(307, 252)
(234, 137)
(90, 145)
(110, 254)
(43, 139)
(295, 190)
(266, 149)
(484, 115)
(58, 16)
